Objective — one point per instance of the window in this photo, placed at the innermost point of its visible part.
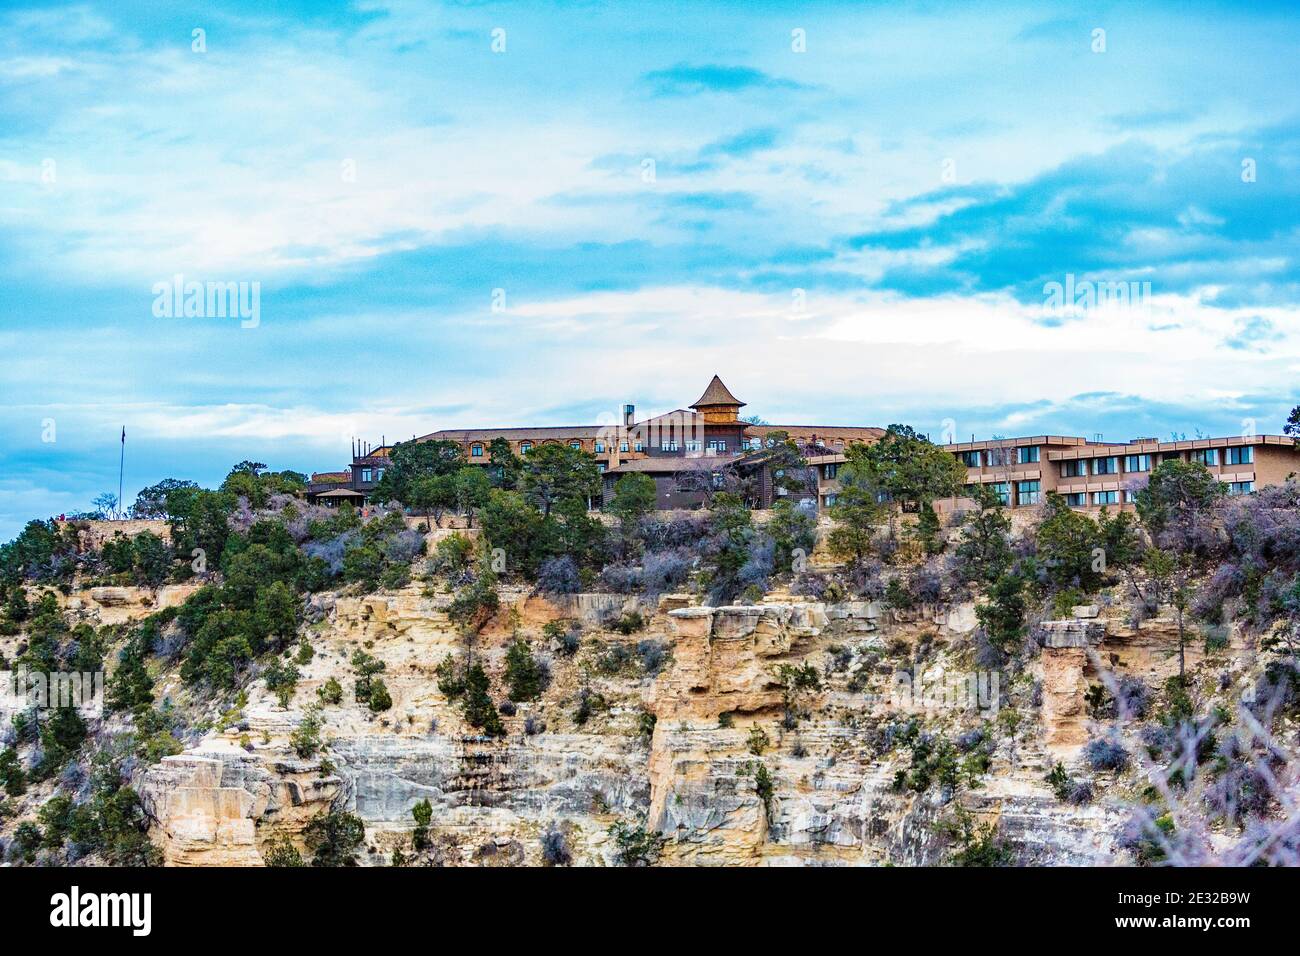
(1241, 487)
(1131, 497)
(1074, 469)
(576, 444)
(1105, 498)
(525, 447)
(476, 451)
(717, 445)
(601, 466)
(1137, 463)
(1076, 499)
(1209, 457)
(600, 447)
(379, 473)
(1241, 455)
(1003, 490)
(670, 445)
(830, 500)
(1105, 466)
(365, 474)
(1027, 492)
(997, 457)
(639, 445)
(622, 446)
(971, 459)
(692, 445)
(1027, 455)
(829, 471)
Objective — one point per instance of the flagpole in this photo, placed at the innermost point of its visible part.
(121, 466)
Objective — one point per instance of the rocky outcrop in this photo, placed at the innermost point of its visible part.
(724, 659)
(208, 804)
(1067, 649)
(122, 605)
(727, 776)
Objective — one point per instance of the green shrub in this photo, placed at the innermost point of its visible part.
(281, 680)
(334, 839)
(423, 814)
(450, 679)
(280, 853)
(366, 668)
(330, 692)
(975, 846)
(765, 788)
(305, 739)
(629, 623)
(11, 773)
(524, 675)
(634, 846)
(478, 708)
(380, 699)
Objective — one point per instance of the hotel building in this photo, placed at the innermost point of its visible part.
(688, 450)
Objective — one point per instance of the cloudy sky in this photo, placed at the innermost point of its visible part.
(478, 214)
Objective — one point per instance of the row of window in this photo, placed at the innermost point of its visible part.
(476, 450)
(1109, 465)
(1079, 499)
(1027, 492)
(998, 457)
(1030, 493)
(717, 446)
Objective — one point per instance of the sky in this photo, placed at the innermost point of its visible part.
(489, 214)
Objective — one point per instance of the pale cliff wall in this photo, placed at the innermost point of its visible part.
(833, 797)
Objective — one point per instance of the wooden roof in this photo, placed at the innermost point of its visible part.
(540, 433)
(717, 394)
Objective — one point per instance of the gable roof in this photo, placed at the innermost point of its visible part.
(845, 433)
(717, 394)
(540, 433)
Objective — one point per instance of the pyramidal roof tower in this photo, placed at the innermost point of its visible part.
(717, 404)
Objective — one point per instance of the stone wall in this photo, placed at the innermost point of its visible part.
(93, 533)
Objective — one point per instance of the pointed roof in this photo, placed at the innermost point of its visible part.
(717, 394)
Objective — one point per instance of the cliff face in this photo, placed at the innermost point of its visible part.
(742, 766)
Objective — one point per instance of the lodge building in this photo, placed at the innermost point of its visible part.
(689, 452)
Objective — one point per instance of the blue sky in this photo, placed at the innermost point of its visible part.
(858, 233)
